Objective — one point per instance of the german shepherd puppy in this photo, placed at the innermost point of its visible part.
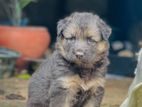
(74, 76)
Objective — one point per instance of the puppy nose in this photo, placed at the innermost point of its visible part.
(79, 54)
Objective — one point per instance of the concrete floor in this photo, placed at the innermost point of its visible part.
(116, 91)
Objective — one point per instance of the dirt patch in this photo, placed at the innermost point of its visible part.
(13, 92)
(14, 97)
(116, 92)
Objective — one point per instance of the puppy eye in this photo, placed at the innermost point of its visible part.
(90, 40)
(71, 38)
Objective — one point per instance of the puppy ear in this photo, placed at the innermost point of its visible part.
(103, 27)
(61, 25)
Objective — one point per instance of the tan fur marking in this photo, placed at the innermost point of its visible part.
(71, 83)
(94, 33)
(102, 46)
(75, 82)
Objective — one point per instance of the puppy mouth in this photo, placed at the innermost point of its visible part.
(85, 65)
(82, 62)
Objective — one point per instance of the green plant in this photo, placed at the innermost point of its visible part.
(19, 5)
(11, 10)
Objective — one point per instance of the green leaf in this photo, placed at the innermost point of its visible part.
(23, 76)
(24, 3)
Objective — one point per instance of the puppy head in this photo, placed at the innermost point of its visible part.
(82, 38)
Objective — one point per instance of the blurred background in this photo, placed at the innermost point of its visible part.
(28, 31)
(28, 34)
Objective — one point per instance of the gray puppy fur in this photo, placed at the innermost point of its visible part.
(74, 76)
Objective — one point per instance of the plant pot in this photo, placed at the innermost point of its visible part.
(30, 42)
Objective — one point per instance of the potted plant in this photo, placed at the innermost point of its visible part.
(31, 42)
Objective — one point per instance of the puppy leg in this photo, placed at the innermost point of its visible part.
(96, 98)
(30, 104)
(61, 96)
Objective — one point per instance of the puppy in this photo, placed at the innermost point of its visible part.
(74, 76)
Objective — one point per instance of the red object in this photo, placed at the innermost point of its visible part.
(31, 42)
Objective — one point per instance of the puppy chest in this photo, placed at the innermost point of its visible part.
(77, 83)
